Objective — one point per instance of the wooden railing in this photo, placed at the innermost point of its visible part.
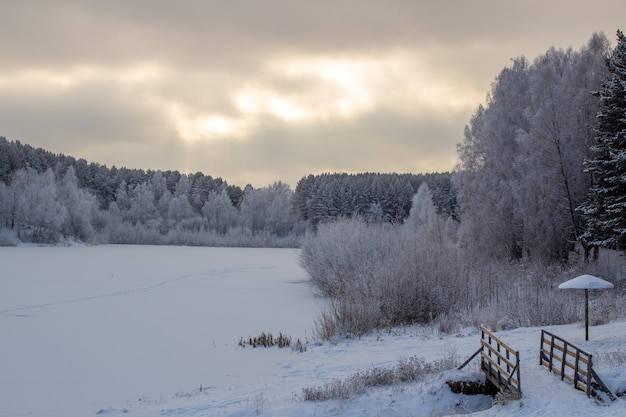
(571, 364)
(500, 364)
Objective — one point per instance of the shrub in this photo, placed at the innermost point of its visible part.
(407, 370)
(378, 276)
(8, 238)
(267, 340)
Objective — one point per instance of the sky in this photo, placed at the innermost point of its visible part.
(261, 91)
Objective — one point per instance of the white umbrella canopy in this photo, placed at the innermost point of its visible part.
(586, 282)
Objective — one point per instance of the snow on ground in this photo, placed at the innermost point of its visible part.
(135, 331)
(281, 394)
(86, 328)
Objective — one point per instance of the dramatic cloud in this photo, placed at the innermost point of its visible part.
(261, 91)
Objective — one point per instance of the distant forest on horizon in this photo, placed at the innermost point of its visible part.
(96, 204)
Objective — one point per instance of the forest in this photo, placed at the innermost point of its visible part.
(48, 198)
(539, 188)
(530, 158)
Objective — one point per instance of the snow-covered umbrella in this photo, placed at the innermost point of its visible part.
(586, 282)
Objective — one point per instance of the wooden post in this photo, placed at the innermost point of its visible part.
(589, 368)
(576, 368)
(551, 351)
(519, 377)
(586, 314)
(563, 360)
(541, 349)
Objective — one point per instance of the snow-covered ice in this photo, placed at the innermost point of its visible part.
(136, 330)
(83, 328)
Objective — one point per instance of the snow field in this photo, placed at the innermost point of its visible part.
(86, 328)
(135, 331)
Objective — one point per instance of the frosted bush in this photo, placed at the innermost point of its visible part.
(8, 238)
(378, 276)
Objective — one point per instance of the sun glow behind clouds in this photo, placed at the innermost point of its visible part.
(339, 87)
(349, 87)
(300, 89)
(254, 102)
(193, 127)
(327, 89)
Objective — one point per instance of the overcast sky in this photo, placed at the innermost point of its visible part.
(260, 91)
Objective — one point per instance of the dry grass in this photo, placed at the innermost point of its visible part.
(406, 370)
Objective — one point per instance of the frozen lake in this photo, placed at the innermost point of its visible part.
(86, 328)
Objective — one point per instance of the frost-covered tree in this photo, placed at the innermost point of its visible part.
(430, 228)
(7, 206)
(142, 207)
(490, 221)
(219, 212)
(552, 181)
(80, 206)
(183, 186)
(521, 173)
(280, 217)
(268, 209)
(162, 195)
(122, 199)
(179, 209)
(38, 213)
(606, 205)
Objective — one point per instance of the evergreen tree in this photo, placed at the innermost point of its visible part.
(606, 204)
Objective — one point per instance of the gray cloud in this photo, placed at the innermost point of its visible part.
(259, 91)
(374, 143)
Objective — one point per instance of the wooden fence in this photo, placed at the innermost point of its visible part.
(571, 364)
(500, 364)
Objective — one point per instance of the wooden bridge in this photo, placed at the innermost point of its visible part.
(500, 363)
(571, 364)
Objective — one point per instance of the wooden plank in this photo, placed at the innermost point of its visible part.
(495, 366)
(569, 378)
(577, 383)
(497, 354)
(589, 378)
(582, 375)
(497, 363)
(563, 342)
(567, 352)
(554, 357)
(578, 355)
(513, 373)
(576, 364)
(579, 370)
(562, 371)
(603, 386)
(551, 351)
(541, 347)
(498, 341)
(519, 377)
(497, 379)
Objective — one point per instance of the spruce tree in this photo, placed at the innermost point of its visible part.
(605, 207)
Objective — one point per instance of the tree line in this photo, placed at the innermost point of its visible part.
(46, 197)
(377, 197)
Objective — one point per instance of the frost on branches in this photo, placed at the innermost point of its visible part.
(605, 207)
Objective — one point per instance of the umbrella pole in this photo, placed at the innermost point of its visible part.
(586, 314)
